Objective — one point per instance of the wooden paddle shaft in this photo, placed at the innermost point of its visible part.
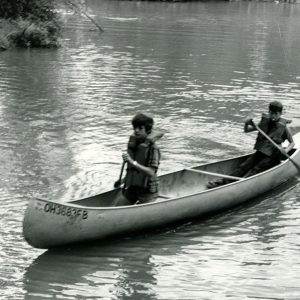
(122, 170)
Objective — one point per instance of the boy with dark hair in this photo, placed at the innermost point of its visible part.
(266, 155)
(143, 158)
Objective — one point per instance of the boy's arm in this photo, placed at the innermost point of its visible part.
(249, 126)
(148, 170)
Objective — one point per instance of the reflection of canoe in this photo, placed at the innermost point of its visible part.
(183, 195)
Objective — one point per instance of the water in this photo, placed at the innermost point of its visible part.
(199, 69)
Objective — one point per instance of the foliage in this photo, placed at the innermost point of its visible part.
(35, 22)
(34, 34)
(43, 10)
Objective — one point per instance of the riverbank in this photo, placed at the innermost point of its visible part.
(25, 33)
(5, 29)
(45, 33)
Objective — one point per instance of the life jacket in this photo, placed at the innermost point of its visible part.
(275, 130)
(140, 152)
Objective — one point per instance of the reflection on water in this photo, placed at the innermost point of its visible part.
(199, 68)
(109, 272)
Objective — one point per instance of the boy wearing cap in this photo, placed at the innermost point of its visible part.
(266, 155)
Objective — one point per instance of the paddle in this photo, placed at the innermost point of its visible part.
(277, 146)
(119, 181)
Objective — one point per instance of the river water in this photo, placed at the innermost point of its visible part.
(199, 68)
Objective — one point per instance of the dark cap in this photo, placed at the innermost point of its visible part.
(275, 106)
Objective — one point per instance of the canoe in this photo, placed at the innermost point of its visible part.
(183, 195)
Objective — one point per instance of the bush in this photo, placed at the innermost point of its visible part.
(34, 34)
(43, 10)
(35, 23)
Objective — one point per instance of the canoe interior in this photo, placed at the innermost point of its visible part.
(172, 185)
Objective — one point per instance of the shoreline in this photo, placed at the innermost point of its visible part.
(24, 33)
(6, 28)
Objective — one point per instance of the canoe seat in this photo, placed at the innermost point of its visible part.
(215, 174)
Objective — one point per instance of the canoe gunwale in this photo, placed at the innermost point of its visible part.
(165, 199)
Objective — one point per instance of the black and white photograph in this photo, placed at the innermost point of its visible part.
(150, 149)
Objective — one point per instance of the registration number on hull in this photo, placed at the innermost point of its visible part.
(62, 210)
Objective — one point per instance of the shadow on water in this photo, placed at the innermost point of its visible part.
(126, 268)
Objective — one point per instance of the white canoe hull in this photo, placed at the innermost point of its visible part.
(50, 224)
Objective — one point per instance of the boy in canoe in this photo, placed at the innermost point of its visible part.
(266, 155)
(142, 158)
